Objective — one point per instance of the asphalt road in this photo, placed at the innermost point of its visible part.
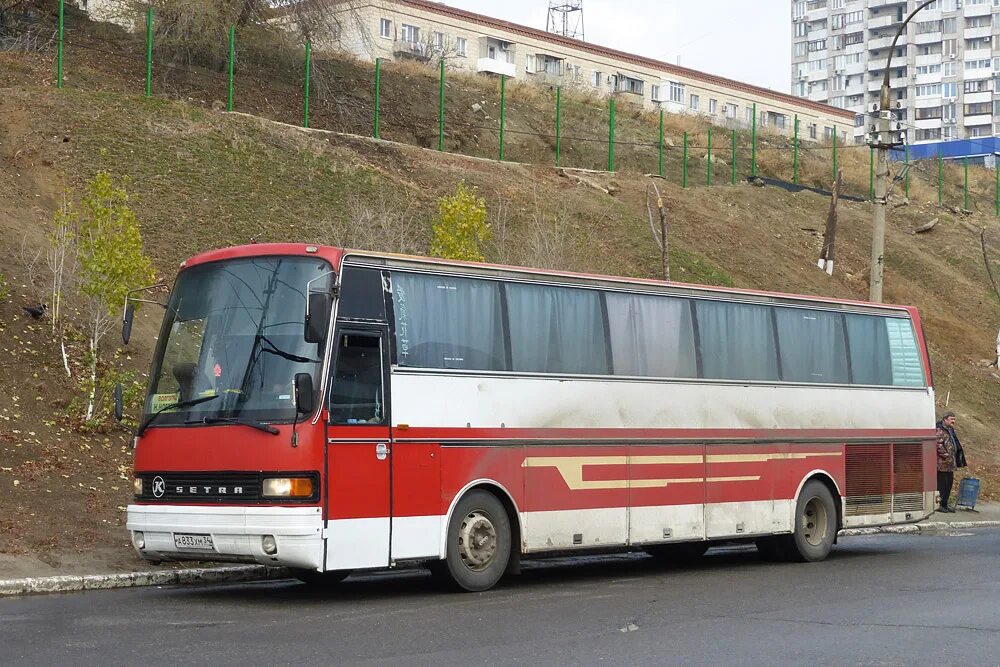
(878, 600)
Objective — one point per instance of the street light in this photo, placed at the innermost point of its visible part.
(883, 138)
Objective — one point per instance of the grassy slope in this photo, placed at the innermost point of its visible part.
(202, 179)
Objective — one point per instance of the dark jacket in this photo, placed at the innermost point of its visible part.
(949, 449)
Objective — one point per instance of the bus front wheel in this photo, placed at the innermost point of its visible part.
(478, 543)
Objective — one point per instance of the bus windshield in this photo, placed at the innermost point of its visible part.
(232, 341)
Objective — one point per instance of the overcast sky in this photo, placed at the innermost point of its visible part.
(747, 41)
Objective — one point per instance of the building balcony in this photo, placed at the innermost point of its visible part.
(875, 85)
(927, 123)
(877, 65)
(977, 33)
(982, 9)
(875, 4)
(879, 43)
(931, 59)
(494, 66)
(885, 19)
(402, 48)
(981, 119)
(978, 98)
(928, 37)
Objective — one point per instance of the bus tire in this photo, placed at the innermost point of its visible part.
(478, 543)
(815, 523)
(321, 580)
(683, 552)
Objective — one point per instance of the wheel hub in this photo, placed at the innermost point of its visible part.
(477, 541)
(815, 522)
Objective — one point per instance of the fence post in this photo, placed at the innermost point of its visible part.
(611, 134)
(441, 109)
(940, 175)
(906, 180)
(558, 125)
(709, 174)
(871, 174)
(503, 111)
(232, 58)
(660, 168)
(734, 157)
(795, 151)
(753, 143)
(149, 51)
(834, 152)
(59, 47)
(966, 183)
(684, 170)
(378, 97)
(305, 96)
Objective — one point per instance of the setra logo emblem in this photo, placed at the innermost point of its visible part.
(159, 487)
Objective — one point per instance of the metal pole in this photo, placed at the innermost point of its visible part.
(753, 143)
(834, 153)
(795, 151)
(441, 110)
(503, 111)
(660, 168)
(684, 170)
(709, 174)
(59, 47)
(734, 157)
(378, 97)
(966, 183)
(558, 125)
(149, 51)
(305, 96)
(232, 58)
(996, 189)
(940, 177)
(611, 134)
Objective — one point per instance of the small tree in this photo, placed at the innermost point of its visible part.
(111, 262)
(461, 228)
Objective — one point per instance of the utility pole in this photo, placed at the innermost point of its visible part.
(884, 135)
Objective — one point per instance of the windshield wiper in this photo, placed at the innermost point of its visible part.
(260, 426)
(172, 406)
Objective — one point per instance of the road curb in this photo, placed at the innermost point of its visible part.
(199, 575)
(926, 527)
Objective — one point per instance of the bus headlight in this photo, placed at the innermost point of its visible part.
(137, 485)
(287, 487)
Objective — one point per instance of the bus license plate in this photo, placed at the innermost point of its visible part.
(193, 542)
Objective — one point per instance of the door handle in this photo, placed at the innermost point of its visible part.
(381, 451)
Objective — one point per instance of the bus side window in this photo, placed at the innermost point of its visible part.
(356, 395)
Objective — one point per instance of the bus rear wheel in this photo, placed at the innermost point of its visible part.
(478, 546)
(815, 528)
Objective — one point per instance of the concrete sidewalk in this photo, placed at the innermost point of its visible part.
(985, 515)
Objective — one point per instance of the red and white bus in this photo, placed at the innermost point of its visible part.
(334, 411)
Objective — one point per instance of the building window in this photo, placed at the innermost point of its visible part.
(730, 111)
(529, 63)
(655, 92)
(595, 80)
(713, 106)
(461, 46)
(439, 41)
(694, 102)
(411, 34)
(385, 28)
(629, 85)
(812, 131)
(677, 92)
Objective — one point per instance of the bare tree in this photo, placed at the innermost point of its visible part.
(826, 255)
(379, 225)
(661, 235)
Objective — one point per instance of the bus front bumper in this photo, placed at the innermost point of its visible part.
(287, 536)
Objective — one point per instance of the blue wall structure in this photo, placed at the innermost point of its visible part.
(975, 149)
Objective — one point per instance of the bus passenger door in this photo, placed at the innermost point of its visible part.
(358, 456)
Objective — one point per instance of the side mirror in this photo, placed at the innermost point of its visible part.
(127, 322)
(119, 408)
(318, 309)
(305, 396)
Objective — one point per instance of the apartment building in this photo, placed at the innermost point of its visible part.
(944, 71)
(428, 31)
